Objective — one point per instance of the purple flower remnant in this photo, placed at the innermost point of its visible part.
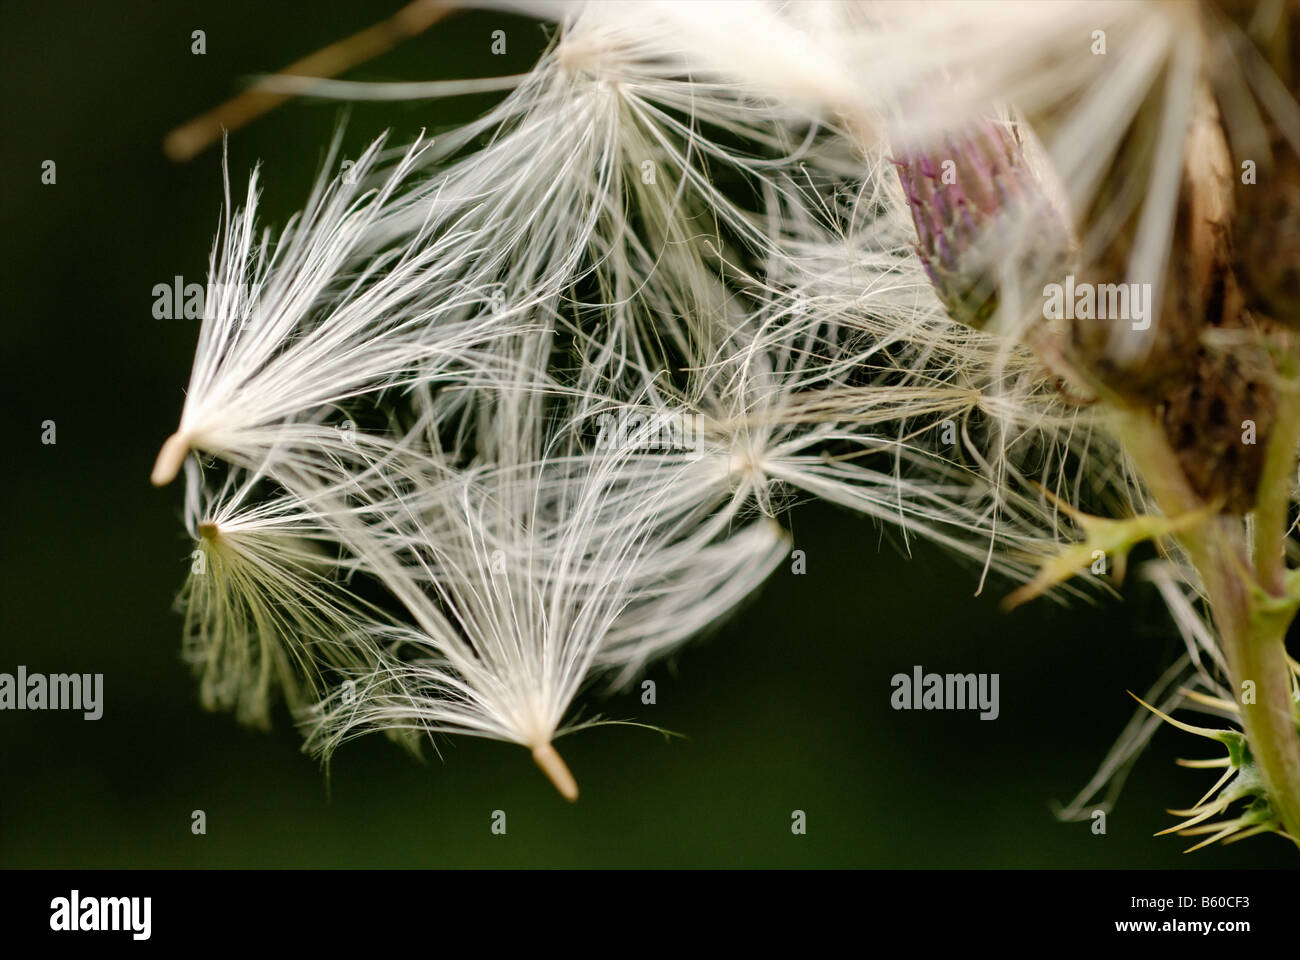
(960, 193)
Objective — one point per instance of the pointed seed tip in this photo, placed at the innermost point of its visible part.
(170, 457)
(553, 766)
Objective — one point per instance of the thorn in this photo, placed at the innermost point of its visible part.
(1193, 821)
(1115, 538)
(554, 768)
(1217, 702)
(1252, 832)
(1227, 775)
(1209, 840)
(1199, 731)
(1204, 764)
(1220, 804)
(1229, 827)
(1220, 827)
(1069, 509)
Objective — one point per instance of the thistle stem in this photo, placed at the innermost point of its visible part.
(1254, 644)
(1258, 654)
(553, 766)
(1273, 503)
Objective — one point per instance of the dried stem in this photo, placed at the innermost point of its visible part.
(190, 139)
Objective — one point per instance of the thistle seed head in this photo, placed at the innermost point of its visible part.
(973, 200)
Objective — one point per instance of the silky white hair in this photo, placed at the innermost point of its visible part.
(683, 215)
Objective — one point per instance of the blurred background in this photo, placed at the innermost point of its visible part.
(783, 708)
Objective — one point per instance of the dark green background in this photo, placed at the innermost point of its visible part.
(785, 707)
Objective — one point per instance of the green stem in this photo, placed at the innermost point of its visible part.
(1273, 503)
(1254, 645)
(1252, 636)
